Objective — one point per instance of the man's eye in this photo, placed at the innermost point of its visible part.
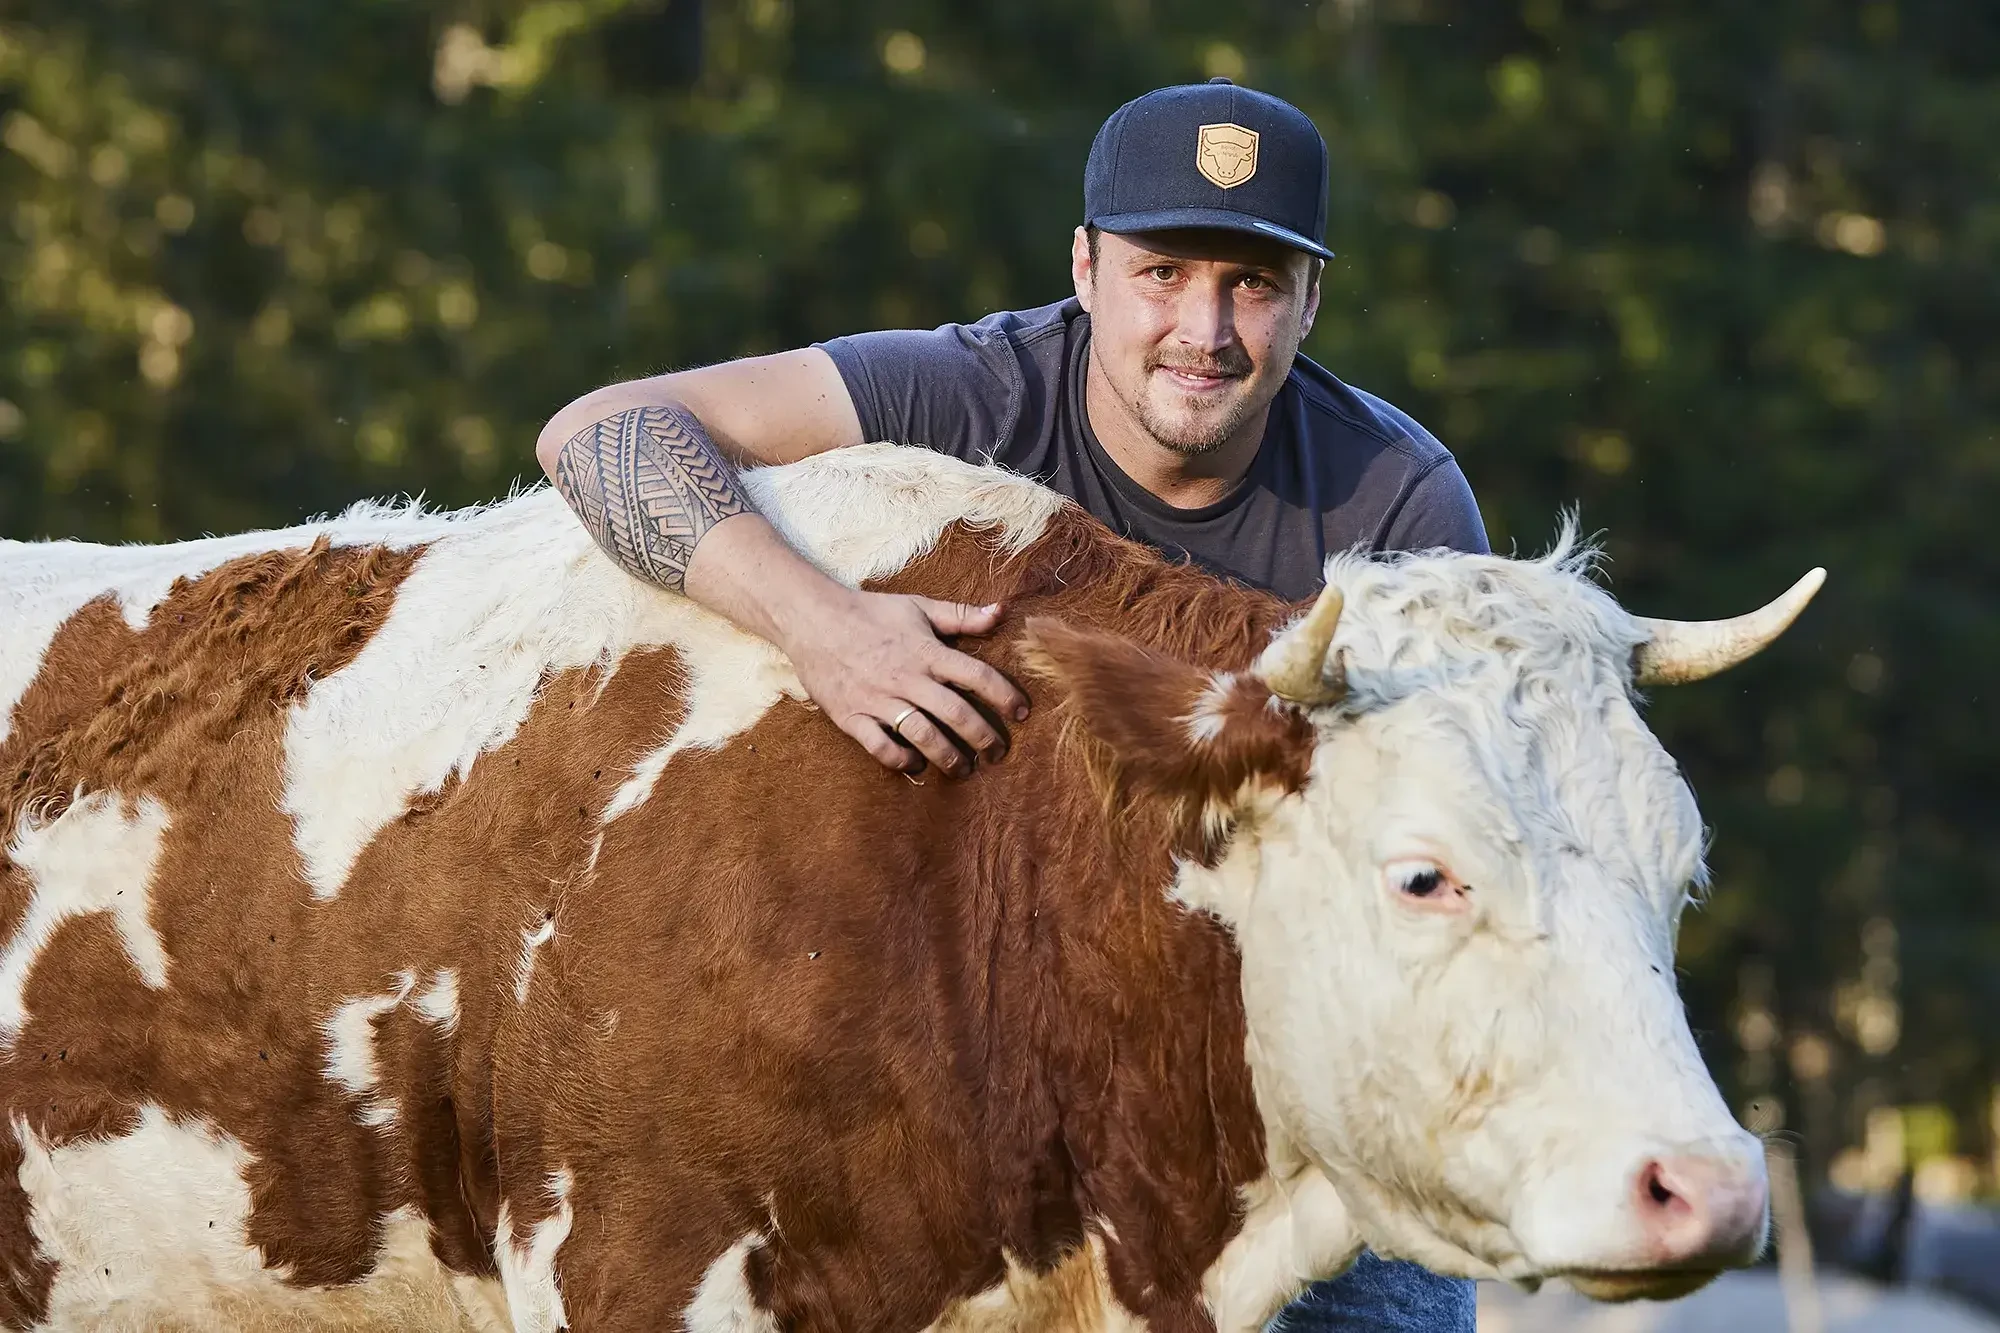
(1257, 282)
(1163, 272)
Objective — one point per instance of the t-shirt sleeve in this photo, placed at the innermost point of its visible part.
(956, 389)
(1438, 510)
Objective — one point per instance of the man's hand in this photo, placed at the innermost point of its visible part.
(864, 657)
(868, 659)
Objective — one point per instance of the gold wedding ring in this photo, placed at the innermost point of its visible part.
(901, 718)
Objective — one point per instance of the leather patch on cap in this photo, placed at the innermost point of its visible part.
(1226, 153)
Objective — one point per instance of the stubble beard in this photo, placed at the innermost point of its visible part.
(1193, 439)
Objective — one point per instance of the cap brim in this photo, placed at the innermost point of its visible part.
(1212, 219)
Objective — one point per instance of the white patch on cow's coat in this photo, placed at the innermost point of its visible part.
(32, 613)
(483, 1302)
(1295, 1229)
(1205, 720)
(350, 1035)
(439, 1001)
(1075, 1297)
(866, 512)
(500, 596)
(97, 856)
(524, 966)
(723, 1303)
(150, 1229)
(528, 1265)
(350, 1048)
(158, 1214)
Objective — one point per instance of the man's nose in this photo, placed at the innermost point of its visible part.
(1207, 316)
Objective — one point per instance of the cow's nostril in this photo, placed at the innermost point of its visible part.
(1698, 1209)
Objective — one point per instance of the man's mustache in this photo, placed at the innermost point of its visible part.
(1233, 362)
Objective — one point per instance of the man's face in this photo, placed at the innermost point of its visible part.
(1194, 331)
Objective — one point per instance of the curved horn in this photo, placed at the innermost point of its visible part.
(1679, 651)
(1295, 665)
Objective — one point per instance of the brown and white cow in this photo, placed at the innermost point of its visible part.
(409, 920)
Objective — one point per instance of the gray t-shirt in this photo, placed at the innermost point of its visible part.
(1338, 467)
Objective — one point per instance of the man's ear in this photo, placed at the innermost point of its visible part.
(1175, 730)
(1082, 267)
(1313, 269)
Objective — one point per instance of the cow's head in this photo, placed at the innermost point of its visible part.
(1455, 867)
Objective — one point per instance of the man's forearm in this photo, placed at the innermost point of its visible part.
(649, 484)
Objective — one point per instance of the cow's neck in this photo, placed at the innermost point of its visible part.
(1153, 1127)
(1158, 1115)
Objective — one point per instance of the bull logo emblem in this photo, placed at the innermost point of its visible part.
(1226, 153)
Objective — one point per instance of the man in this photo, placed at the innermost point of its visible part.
(1167, 397)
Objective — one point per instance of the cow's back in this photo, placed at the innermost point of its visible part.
(287, 817)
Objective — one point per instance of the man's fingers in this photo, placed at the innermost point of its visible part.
(959, 617)
(986, 684)
(929, 740)
(950, 709)
(905, 696)
(874, 736)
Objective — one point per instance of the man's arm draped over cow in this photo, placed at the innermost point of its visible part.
(646, 474)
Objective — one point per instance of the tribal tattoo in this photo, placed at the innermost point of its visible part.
(649, 484)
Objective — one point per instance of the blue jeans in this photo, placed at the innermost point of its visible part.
(1382, 1296)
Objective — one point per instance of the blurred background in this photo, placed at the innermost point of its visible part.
(1724, 275)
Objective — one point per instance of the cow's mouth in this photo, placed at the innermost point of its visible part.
(1640, 1285)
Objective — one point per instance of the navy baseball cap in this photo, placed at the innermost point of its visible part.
(1210, 155)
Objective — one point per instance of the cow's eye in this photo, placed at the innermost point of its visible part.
(1424, 882)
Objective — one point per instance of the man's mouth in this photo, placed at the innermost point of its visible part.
(1196, 381)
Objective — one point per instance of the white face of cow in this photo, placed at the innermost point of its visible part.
(1458, 972)
(1458, 943)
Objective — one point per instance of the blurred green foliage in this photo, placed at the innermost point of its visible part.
(1723, 273)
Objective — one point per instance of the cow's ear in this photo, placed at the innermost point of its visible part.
(1173, 729)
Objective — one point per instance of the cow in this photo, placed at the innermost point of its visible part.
(409, 920)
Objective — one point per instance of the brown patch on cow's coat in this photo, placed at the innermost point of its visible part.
(894, 1031)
